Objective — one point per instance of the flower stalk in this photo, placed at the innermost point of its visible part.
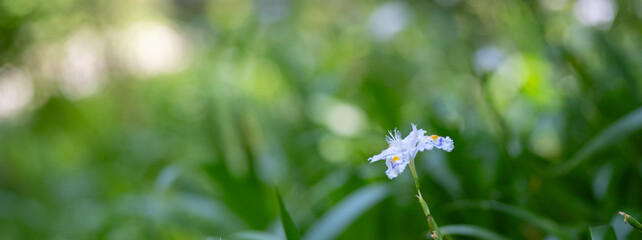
(401, 152)
(432, 224)
(632, 221)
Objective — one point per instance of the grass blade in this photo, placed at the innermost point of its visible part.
(249, 235)
(616, 131)
(542, 223)
(291, 232)
(471, 231)
(343, 214)
(602, 233)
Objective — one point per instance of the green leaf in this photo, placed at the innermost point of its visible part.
(291, 232)
(210, 210)
(603, 233)
(250, 235)
(616, 131)
(343, 214)
(471, 231)
(540, 222)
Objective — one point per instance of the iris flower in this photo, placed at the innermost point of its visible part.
(401, 151)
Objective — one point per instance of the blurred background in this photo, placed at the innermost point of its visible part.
(178, 119)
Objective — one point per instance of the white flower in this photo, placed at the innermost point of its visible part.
(434, 141)
(401, 151)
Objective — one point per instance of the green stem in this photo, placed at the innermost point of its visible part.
(432, 225)
(634, 223)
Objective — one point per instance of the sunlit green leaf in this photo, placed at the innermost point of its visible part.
(290, 229)
(249, 235)
(471, 231)
(537, 221)
(337, 219)
(617, 131)
(602, 233)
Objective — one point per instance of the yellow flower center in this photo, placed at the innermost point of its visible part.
(395, 158)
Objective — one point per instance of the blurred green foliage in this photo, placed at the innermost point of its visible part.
(177, 119)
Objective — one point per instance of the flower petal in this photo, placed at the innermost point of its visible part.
(414, 137)
(389, 152)
(401, 151)
(395, 137)
(426, 143)
(395, 168)
(444, 143)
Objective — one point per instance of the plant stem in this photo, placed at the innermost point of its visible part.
(634, 223)
(432, 225)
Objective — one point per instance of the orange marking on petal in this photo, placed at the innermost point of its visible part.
(395, 158)
(434, 137)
